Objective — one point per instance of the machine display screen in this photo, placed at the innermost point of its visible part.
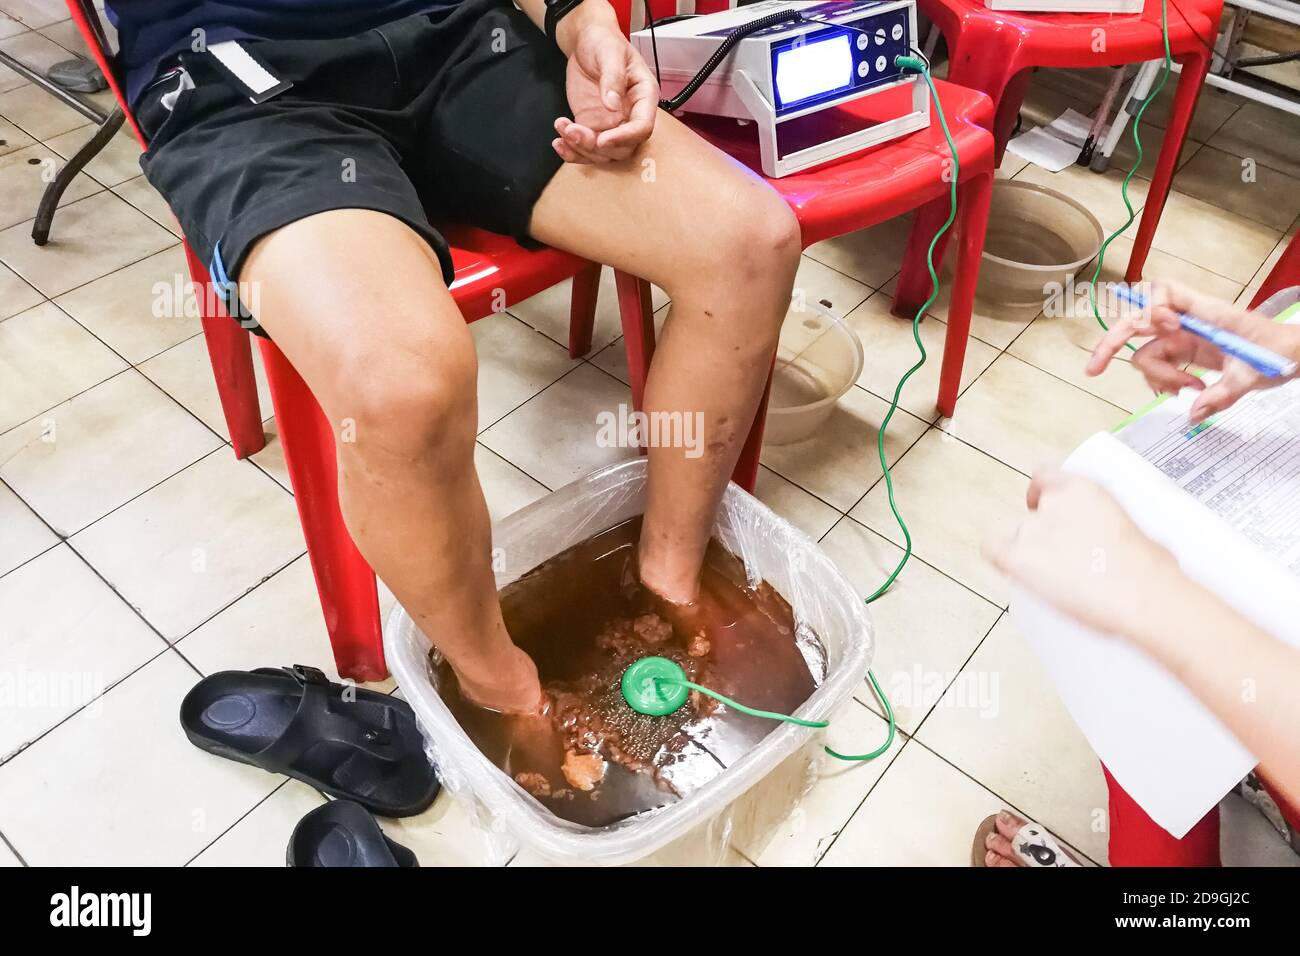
(813, 69)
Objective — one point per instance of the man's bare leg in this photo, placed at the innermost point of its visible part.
(356, 300)
(725, 247)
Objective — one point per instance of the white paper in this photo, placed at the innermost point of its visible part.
(1071, 126)
(1043, 149)
(1056, 145)
(1174, 757)
(1244, 466)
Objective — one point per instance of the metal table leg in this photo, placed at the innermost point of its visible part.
(54, 191)
(108, 127)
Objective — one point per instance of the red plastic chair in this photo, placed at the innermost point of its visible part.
(995, 51)
(853, 193)
(485, 265)
(1284, 275)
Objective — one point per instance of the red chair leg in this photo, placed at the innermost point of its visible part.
(982, 73)
(746, 471)
(1008, 112)
(974, 217)
(582, 310)
(638, 331)
(345, 582)
(231, 355)
(1284, 275)
(914, 285)
(1190, 82)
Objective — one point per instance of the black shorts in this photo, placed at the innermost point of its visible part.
(444, 115)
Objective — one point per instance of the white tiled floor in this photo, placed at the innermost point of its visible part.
(138, 554)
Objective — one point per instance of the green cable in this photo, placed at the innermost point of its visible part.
(1137, 163)
(919, 65)
(768, 714)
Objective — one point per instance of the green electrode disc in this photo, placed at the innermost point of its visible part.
(650, 686)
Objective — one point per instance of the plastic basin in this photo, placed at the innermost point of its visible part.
(1036, 237)
(755, 793)
(818, 360)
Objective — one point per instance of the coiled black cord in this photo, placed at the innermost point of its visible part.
(724, 49)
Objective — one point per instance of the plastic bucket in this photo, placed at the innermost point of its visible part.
(818, 359)
(750, 793)
(1036, 237)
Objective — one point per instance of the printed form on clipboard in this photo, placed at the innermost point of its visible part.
(1224, 497)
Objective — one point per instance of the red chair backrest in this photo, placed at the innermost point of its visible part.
(86, 17)
(661, 8)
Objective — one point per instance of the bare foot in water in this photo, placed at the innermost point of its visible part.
(510, 687)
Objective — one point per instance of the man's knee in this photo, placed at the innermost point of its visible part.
(775, 231)
(752, 234)
(414, 403)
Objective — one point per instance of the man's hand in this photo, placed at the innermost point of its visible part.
(1161, 360)
(613, 94)
(1079, 551)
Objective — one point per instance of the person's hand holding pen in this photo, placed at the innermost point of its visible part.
(1163, 360)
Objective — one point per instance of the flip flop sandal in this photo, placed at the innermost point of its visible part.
(364, 746)
(342, 834)
(1032, 845)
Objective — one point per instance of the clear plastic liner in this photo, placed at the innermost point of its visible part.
(743, 803)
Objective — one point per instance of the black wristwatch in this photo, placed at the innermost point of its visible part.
(556, 10)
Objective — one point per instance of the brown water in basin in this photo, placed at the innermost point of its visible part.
(584, 617)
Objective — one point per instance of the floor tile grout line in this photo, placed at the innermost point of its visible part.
(1002, 613)
(169, 228)
(91, 332)
(826, 265)
(7, 759)
(932, 425)
(4, 160)
(77, 394)
(500, 457)
(96, 335)
(875, 481)
(848, 514)
(24, 282)
(242, 817)
(915, 557)
(69, 542)
(59, 539)
(1048, 372)
(912, 738)
(141, 494)
(1282, 243)
(13, 849)
(130, 368)
(861, 803)
(577, 365)
(149, 358)
(27, 222)
(1009, 804)
(235, 600)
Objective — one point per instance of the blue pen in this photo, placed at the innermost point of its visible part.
(1262, 360)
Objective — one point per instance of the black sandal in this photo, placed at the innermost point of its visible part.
(342, 833)
(364, 746)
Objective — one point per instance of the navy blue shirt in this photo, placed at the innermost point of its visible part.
(151, 31)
